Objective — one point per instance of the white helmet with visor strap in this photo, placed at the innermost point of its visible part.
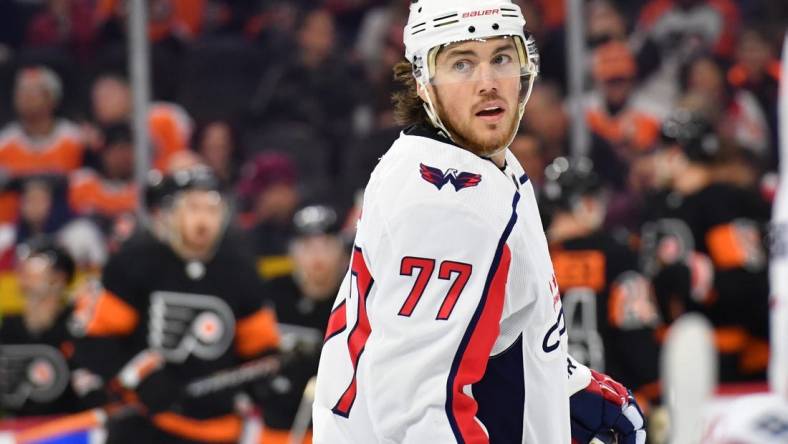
(434, 24)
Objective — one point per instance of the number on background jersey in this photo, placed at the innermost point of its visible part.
(460, 270)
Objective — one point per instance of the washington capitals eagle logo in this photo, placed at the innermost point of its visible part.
(438, 178)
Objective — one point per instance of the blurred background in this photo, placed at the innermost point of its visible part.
(288, 103)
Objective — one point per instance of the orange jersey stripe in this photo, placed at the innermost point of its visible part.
(221, 429)
(106, 315)
(256, 333)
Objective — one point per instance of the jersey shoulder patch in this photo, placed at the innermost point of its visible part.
(439, 178)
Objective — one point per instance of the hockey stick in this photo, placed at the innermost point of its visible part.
(689, 369)
(303, 416)
(214, 383)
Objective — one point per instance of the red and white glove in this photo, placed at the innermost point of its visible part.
(602, 410)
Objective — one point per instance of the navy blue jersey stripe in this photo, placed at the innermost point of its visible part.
(523, 179)
(501, 395)
(475, 319)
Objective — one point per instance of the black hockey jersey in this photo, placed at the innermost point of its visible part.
(202, 317)
(706, 253)
(302, 323)
(610, 312)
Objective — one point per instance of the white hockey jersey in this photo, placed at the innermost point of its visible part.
(448, 326)
(753, 419)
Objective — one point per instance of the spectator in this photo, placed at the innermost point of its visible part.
(606, 24)
(64, 24)
(691, 25)
(217, 143)
(614, 114)
(546, 117)
(42, 208)
(735, 113)
(303, 302)
(109, 192)
(38, 142)
(317, 86)
(375, 36)
(179, 19)
(169, 124)
(268, 192)
(757, 70)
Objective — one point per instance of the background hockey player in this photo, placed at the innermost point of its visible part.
(448, 326)
(45, 369)
(181, 305)
(611, 315)
(36, 346)
(703, 245)
(303, 302)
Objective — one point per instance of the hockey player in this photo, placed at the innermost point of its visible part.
(44, 368)
(182, 304)
(448, 326)
(36, 346)
(303, 302)
(610, 313)
(703, 245)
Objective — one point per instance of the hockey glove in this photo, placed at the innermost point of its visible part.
(603, 409)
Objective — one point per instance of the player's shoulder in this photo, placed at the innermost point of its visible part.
(282, 289)
(424, 169)
(66, 129)
(9, 132)
(83, 176)
(137, 251)
(722, 202)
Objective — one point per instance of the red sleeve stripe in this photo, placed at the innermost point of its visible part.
(337, 321)
(358, 336)
(470, 362)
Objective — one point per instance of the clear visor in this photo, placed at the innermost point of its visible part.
(497, 58)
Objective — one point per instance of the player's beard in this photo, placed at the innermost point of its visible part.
(467, 138)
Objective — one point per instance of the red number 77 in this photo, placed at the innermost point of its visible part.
(426, 267)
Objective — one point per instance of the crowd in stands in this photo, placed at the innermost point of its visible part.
(288, 102)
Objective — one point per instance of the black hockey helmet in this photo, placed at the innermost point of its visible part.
(59, 259)
(693, 133)
(566, 181)
(161, 189)
(316, 219)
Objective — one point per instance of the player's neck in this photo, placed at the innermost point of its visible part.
(499, 159)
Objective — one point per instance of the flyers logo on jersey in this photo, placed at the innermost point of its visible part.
(438, 178)
(31, 372)
(183, 324)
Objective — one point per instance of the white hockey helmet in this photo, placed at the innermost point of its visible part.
(433, 24)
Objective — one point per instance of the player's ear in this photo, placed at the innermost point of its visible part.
(421, 90)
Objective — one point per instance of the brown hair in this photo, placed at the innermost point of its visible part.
(408, 106)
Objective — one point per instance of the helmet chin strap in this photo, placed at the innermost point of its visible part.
(432, 113)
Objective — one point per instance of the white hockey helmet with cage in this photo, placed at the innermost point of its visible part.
(434, 24)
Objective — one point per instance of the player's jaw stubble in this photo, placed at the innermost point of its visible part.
(485, 139)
